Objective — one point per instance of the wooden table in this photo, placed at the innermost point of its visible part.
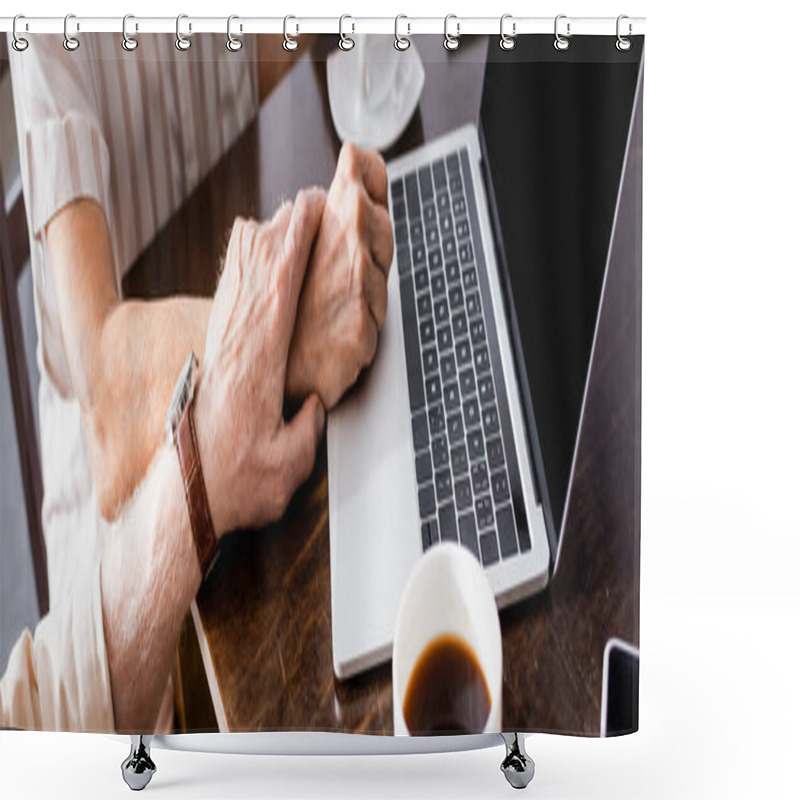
(263, 617)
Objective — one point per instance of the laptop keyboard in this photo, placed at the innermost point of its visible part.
(466, 470)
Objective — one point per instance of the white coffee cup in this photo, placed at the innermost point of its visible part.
(448, 593)
(379, 72)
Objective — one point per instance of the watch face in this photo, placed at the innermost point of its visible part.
(182, 395)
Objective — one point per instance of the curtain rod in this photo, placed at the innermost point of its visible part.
(406, 25)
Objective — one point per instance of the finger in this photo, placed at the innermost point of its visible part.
(382, 239)
(300, 235)
(373, 170)
(377, 296)
(280, 219)
(299, 440)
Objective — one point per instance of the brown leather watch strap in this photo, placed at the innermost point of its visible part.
(194, 486)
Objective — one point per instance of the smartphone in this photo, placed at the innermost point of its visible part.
(619, 711)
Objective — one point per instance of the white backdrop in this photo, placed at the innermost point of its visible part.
(720, 616)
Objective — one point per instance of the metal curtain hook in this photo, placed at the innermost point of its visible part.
(233, 44)
(451, 42)
(623, 43)
(401, 42)
(70, 42)
(181, 42)
(346, 42)
(128, 42)
(507, 42)
(561, 42)
(289, 42)
(19, 43)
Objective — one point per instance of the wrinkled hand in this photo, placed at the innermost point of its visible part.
(254, 460)
(344, 299)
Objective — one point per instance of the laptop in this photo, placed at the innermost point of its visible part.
(464, 427)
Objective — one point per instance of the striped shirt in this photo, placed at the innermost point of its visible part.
(136, 132)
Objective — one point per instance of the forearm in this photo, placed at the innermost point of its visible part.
(142, 349)
(149, 576)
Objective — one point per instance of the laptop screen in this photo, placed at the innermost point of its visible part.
(554, 128)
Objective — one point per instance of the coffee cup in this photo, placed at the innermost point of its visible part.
(447, 659)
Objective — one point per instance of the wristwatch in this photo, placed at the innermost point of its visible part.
(181, 432)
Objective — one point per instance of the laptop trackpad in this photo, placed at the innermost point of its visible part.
(374, 527)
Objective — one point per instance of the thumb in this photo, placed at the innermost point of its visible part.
(300, 439)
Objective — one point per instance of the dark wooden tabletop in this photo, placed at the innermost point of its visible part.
(263, 616)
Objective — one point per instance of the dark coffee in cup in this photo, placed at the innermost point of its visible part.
(447, 692)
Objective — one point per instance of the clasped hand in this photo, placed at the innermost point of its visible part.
(296, 314)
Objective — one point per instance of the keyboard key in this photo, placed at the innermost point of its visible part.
(447, 523)
(452, 400)
(470, 279)
(464, 354)
(412, 197)
(432, 235)
(475, 445)
(445, 338)
(473, 304)
(424, 305)
(443, 203)
(430, 361)
(439, 450)
(499, 487)
(397, 189)
(439, 174)
(399, 210)
(403, 260)
(481, 359)
(416, 232)
(462, 229)
(460, 324)
(480, 477)
(456, 296)
(463, 494)
(491, 421)
(433, 389)
(506, 531)
(468, 534)
(441, 312)
(485, 388)
(456, 186)
(483, 510)
(425, 183)
(453, 166)
(429, 213)
(449, 247)
(472, 413)
(416, 390)
(444, 485)
(433, 527)
(467, 380)
(452, 272)
(436, 419)
(421, 280)
(419, 424)
(426, 536)
(427, 500)
(465, 255)
(477, 331)
(435, 259)
(427, 332)
(448, 367)
(458, 459)
(446, 223)
(489, 554)
(400, 232)
(424, 468)
(459, 206)
(494, 452)
(438, 286)
(455, 428)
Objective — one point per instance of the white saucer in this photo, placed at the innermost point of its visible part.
(354, 119)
